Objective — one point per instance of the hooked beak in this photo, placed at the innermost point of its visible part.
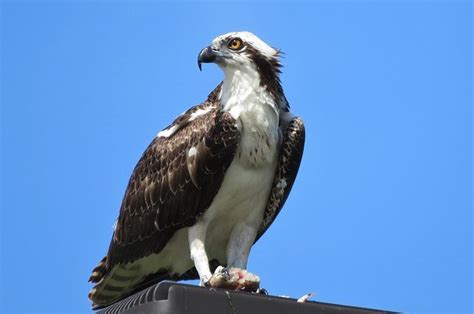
(207, 55)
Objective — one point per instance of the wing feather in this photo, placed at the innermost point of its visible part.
(168, 189)
(289, 160)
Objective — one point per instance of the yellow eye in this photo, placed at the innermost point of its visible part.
(235, 44)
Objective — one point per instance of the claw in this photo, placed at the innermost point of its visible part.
(225, 273)
(205, 281)
(262, 291)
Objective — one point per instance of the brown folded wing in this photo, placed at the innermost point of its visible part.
(174, 182)
(289, 160)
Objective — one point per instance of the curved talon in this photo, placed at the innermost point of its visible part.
(262, 291)
(225, 273)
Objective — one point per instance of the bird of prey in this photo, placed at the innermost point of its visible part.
(211, 183)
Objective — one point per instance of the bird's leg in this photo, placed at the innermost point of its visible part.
(197, 238)
(240, 242)
(238, 250)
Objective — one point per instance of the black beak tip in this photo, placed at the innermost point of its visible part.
(206, 55)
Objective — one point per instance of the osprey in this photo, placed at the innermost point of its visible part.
(211, 183)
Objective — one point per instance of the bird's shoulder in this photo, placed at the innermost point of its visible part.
(203, 112)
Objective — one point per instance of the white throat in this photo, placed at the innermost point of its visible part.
(256, 112)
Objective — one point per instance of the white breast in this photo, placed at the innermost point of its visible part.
(248, 180)
(241, 199)
(244, 191)
(256, 113)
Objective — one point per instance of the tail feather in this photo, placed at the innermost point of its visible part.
(99, 271)
(117, 283)
(122, 280)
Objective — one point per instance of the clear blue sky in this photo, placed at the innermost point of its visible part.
(381, 213)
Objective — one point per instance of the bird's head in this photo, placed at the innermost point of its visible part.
(243, 51)
(237, 50)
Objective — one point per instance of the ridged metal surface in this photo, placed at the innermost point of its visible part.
(173, 298)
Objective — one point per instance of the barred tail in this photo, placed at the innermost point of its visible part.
(120, 281)
(99, 271)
